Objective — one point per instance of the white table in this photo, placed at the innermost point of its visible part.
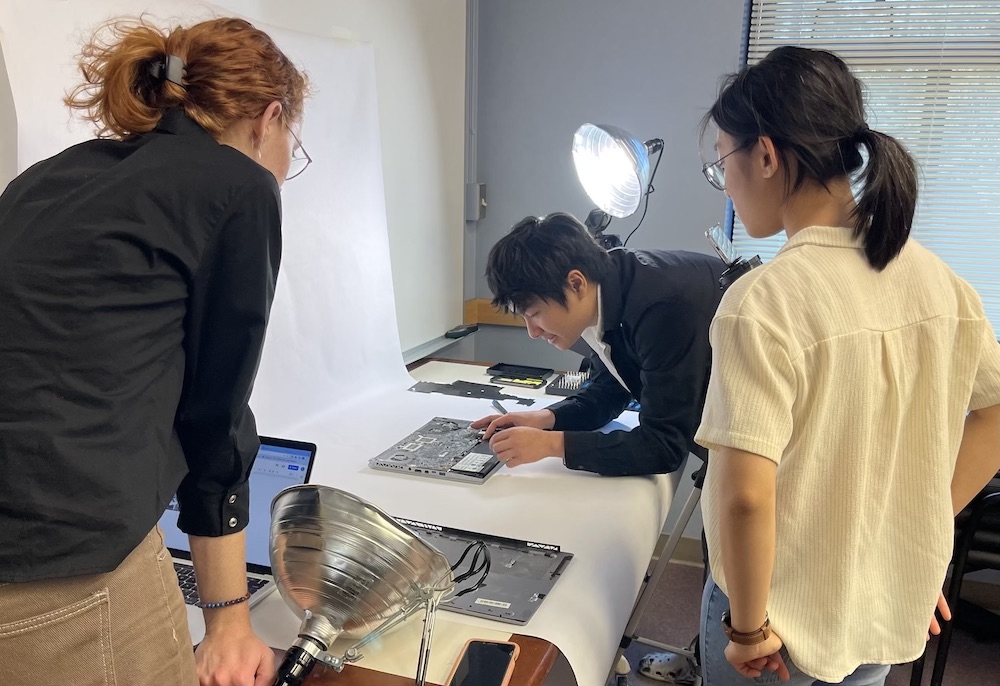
(610, 524)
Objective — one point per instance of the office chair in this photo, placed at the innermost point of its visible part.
(977, 546)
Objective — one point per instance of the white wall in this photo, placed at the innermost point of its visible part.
(8, 129)
(649, 66)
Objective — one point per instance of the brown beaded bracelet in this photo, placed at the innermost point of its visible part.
(227, 603)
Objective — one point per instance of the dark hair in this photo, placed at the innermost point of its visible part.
(532, 261)
(232, 71)
(811, 106)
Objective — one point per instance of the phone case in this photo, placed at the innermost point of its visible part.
(510, 667)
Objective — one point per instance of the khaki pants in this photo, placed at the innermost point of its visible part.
(124, 628)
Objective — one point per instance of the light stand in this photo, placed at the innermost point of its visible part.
(597, 221)
(620, 666)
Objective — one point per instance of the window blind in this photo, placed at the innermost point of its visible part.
(932, 76)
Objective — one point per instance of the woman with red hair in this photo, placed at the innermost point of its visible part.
(137, 272)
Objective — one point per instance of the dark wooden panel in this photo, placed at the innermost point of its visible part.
(533, 665)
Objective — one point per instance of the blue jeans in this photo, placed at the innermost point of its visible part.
(716, 670)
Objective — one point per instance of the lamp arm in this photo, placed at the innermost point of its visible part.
(658, 148)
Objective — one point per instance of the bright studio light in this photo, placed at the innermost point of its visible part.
(613, 167)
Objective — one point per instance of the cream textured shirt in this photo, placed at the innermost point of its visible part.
(856, 383)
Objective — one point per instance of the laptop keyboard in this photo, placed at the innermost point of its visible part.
(189, 588)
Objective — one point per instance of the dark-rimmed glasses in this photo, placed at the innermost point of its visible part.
(300, 158)
(715, 174)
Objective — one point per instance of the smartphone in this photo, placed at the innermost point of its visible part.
(484, 663)
(723, 246)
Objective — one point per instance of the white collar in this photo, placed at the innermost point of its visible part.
(598, 328)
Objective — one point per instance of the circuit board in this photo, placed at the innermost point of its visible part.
(442, 447)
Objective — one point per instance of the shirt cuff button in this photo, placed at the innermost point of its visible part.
(232, 522)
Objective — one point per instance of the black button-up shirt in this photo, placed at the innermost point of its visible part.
(136, 279)
(657, 306)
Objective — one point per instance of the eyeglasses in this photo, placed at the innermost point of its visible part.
(715, 174)
(300, 158)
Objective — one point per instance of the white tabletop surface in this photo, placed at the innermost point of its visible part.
(610, 524)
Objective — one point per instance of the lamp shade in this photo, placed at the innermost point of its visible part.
(613, 166)
(342, 563)
(347, 568)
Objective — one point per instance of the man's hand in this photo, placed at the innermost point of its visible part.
(234, 656)
(752, 661)
(942, 607)
(537, 419)
(523, 444)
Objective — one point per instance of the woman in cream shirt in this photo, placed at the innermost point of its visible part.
(854, 403)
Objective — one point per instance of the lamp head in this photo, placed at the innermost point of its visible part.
(613, 166)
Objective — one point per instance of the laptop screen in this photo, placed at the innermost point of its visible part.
(279, 464)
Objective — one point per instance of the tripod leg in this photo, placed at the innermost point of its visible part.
(653, 578)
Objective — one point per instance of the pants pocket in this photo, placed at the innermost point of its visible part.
(159, 543)
(68, 645)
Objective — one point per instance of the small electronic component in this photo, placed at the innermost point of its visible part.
(522, 382)
(473, 463)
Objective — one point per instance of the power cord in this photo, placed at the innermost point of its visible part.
(649, 189)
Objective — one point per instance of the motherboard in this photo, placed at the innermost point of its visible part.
(438, 444)
(443, 448)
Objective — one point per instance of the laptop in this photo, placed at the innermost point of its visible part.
(443, 448)
(280, 464)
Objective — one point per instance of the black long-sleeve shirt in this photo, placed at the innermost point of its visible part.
(657, 308)
(136, 279)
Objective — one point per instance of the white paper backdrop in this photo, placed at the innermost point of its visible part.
(333, 332)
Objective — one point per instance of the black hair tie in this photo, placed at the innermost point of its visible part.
(862, 134)
(169, 68)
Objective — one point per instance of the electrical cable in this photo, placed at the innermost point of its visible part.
(649, 189)
(479, 564)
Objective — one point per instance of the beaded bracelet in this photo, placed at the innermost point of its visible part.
(227, 603)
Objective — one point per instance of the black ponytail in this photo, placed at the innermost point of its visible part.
(884, 213)
(812, 107)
